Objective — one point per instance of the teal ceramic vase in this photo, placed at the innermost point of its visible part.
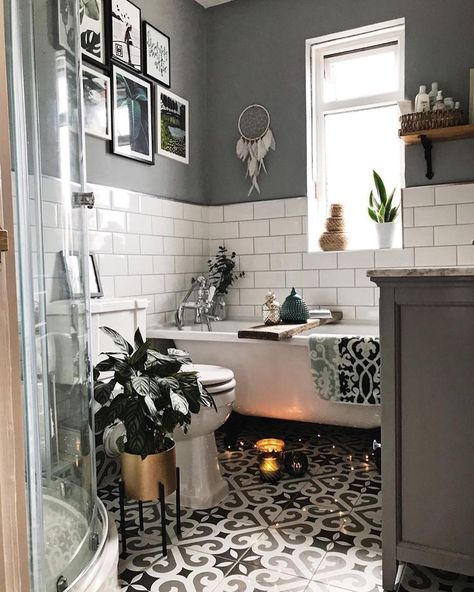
(294, 310)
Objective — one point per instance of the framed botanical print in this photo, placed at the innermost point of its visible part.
(132, 126)
(156, 55)
(126, 33)
(96, 93)
(173, 126)
(66, 25)
(93, 43)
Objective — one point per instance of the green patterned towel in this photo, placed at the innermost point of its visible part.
(346, 369)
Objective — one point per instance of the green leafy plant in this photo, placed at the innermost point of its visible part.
(154, 396)
(382, 209)
(222, 270)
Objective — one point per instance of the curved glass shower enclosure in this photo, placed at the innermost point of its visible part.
(67, 525)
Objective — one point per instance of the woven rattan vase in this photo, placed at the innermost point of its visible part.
(334, 239)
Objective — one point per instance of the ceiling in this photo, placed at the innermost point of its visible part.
(209, 3)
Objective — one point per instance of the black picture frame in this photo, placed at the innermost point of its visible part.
(88, 57)
(74, 285)
(118, 143)
(148, 71)
(116, 44)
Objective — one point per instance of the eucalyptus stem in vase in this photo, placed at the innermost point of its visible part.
(222, 275)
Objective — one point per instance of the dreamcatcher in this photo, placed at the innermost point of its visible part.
(255, 141)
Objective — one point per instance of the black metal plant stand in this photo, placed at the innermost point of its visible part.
(162, 500)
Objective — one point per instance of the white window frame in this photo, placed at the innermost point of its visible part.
(316, 108)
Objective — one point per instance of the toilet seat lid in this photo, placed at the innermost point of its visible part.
(211, 375)
(223, 388)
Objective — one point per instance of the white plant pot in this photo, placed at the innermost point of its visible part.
(385, 234)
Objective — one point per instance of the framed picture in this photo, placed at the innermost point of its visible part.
(126, 33)
(96, 93)
(173, 126)
(471, 96)
(74, 280)
(66, 25)
(95, 284)
(93, 42)
(156, 55)
(132, 126)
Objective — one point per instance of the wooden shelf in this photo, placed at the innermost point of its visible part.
(443, 134)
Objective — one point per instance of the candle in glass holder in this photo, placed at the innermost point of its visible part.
(270, 457)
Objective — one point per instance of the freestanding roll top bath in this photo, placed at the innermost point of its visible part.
(273, 378)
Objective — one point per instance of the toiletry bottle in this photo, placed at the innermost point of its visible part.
(449, 102)
(457, 105)
(439, 105)
(422, 100)
(433, 94)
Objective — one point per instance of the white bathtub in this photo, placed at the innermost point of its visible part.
(273, 378)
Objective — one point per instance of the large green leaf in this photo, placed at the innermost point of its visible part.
(179, 403)
(379, 184)
(119, 341)
(139, 356)
(138, 338)
(103, 390)
(141, 385)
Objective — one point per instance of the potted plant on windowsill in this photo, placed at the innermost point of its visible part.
(383, 213)
(150, 394)
(222, 275)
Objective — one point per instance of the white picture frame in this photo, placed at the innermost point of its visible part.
(96, 92)
(173, 116)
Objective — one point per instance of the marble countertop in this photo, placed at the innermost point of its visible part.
(422, 272)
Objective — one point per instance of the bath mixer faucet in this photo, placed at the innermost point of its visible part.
(201, 306)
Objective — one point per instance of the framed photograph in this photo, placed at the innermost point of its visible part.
(156, 55)
(132, 126)
(95, 284)
(471, 96)
(93, 42)
(74, 280)
(126, 33)
(96, 93)
(173, 126)
(66, 22)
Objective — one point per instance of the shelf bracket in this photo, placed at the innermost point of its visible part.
(428, 147)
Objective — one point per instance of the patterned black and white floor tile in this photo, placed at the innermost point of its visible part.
(320, 533)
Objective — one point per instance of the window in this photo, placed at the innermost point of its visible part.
(355, 80)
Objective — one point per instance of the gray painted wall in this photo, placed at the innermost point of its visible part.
(185, 22)
(256, 53)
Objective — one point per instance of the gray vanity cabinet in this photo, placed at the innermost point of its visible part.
(427, 341)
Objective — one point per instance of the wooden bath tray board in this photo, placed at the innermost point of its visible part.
(283, 332)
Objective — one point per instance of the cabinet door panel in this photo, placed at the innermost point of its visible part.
(437, 426)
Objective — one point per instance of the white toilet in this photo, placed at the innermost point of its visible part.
(202, 485)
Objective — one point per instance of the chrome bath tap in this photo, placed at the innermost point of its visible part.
(201, 306)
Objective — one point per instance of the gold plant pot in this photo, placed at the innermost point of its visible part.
(141, 477)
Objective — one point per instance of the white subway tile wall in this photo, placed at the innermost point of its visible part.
(151, 246)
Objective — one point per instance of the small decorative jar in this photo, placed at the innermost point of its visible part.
(271, 310)
(294, 309)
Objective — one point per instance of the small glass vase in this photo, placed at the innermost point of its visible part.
(220, 307)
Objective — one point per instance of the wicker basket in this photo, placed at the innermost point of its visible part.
(418, 122)
(335, 224)
(333, 241)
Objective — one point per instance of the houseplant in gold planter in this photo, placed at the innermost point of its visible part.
(150, 394)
